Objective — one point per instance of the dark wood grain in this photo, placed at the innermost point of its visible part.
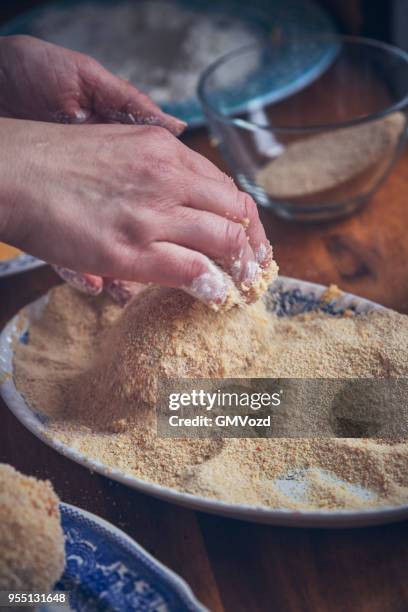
(233, 565)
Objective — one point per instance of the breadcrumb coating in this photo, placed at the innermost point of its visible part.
(31, 538)
(93, 369)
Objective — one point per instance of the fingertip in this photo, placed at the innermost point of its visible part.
(93, 281)
(264, 254)
(172, 124)
(86, 283)
(74, 115)
(122, 291)
(211, 286)
(80, 116)
(179, 126)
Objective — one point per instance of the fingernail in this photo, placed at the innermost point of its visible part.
(174, 125)
(251, 276)
(263, 254)
(78, 281)
(80, 116)
(211, 287)
(181, 124)
(117, 291)
(122, 291)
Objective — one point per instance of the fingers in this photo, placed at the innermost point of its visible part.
(171, 265)
(117, 100)
(72, 113)
(86, 283)
(223, 241)
(120, 291)
(167, 265)
(202, 166)
(224, 199)
(221, 196)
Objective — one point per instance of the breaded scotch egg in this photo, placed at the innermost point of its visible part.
(32, 556)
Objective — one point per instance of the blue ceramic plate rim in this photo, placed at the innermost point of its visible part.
(306, 292)
(20, 263)
(159, 577)
(194, 115)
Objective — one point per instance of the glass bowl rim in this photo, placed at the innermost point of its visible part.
(254, 126)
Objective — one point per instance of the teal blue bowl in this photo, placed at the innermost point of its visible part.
(266, 19)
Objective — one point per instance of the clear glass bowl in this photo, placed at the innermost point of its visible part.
(310, 127)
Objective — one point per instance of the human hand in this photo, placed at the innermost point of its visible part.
(45, 82)
(127, 202)
(121, 291)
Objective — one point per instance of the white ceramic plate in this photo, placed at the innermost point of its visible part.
(20, 263)
(294, 296)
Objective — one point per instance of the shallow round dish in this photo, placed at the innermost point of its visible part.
(18, 264)
(106, 569)
(265, 19)
(291, 297)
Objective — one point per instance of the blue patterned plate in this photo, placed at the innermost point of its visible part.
(293, 20)
(106, 570)
(287, 297)
(18, 264)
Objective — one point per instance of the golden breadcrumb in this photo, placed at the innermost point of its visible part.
(249, 293)
(332, 293)
(94, 368)
(32, 554)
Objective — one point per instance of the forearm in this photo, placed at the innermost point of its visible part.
(14, 178)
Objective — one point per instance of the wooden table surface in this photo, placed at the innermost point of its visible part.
(232, 565)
